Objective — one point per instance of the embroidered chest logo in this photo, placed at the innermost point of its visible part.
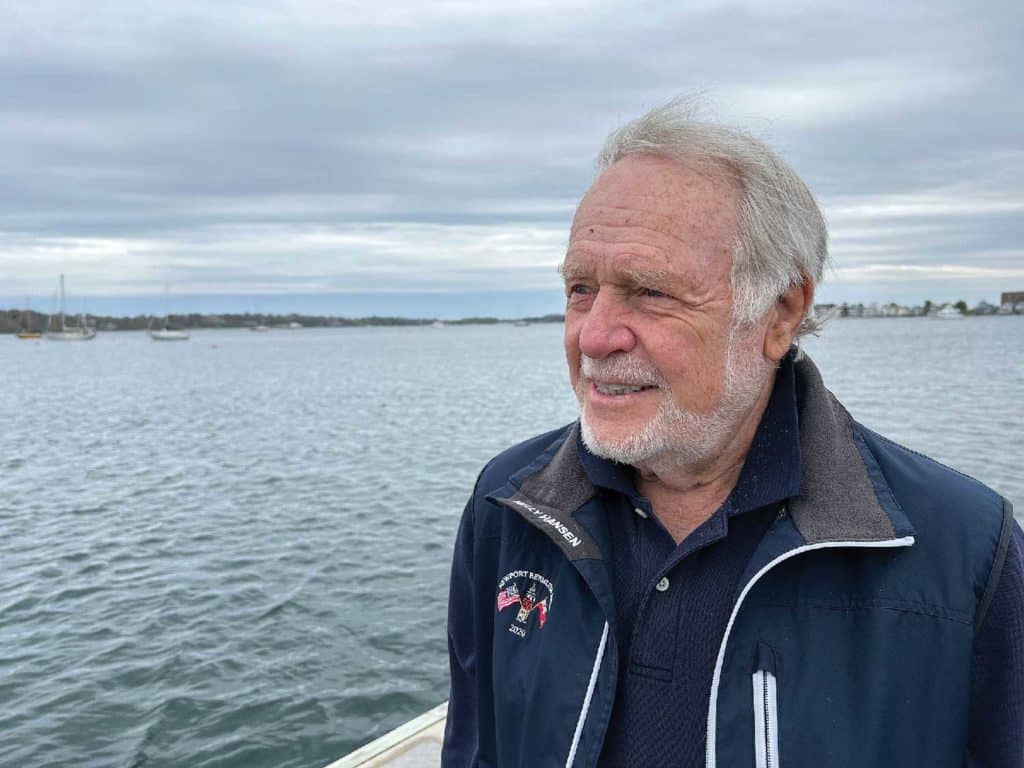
(527, 593)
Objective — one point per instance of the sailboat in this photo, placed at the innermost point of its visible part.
(65, 332)
(166, 333)
(26, 332)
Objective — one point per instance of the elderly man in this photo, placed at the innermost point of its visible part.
(716, 565)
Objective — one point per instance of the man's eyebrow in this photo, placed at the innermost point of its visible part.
(628, 272)
(641, 275)
(568, 270)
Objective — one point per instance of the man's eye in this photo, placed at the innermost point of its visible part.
(578, 288)
(653, 294)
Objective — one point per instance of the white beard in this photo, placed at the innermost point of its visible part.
(690, 438)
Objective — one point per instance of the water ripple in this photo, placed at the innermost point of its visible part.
(238, 556)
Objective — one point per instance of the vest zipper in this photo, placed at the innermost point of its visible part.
(766, 710)
(709, 746)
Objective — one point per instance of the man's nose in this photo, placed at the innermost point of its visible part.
(605, 329)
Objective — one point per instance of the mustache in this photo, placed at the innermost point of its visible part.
(622, 369)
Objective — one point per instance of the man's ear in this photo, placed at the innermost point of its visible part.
(785, 318)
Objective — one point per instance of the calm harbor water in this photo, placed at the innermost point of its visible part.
(234, 551)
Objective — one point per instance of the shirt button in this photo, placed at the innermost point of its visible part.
(662, 585)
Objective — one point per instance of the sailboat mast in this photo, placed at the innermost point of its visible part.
(62, 301)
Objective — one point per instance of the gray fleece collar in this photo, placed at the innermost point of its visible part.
(838, 500)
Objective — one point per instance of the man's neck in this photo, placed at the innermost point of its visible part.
(685, 495)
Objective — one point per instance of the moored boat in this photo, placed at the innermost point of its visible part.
(168, 334)
(949, 312)
(72, 333)
(26, 332)
(165, 332)
(64, 332)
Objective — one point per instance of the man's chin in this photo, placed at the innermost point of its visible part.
(616, 444)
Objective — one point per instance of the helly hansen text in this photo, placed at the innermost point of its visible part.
(547, 519)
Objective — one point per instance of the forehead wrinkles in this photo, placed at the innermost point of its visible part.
(610, 224)
(645, 245)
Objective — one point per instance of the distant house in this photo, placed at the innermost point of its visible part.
(1011, 302)
(896, 310)
(1012, 297)
(984, 308)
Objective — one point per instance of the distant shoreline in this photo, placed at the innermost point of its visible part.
(13, 320)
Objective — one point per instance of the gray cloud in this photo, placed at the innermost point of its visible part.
(307, 146)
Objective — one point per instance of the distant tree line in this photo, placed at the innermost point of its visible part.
(898, 310)
(14, 320)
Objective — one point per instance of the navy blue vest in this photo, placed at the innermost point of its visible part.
(849, 643)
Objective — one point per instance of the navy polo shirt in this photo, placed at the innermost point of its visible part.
(673, 602)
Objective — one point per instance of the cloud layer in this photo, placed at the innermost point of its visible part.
(309, 147)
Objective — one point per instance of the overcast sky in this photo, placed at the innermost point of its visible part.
(319, 147)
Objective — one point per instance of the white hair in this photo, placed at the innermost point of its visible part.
(782, 239)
